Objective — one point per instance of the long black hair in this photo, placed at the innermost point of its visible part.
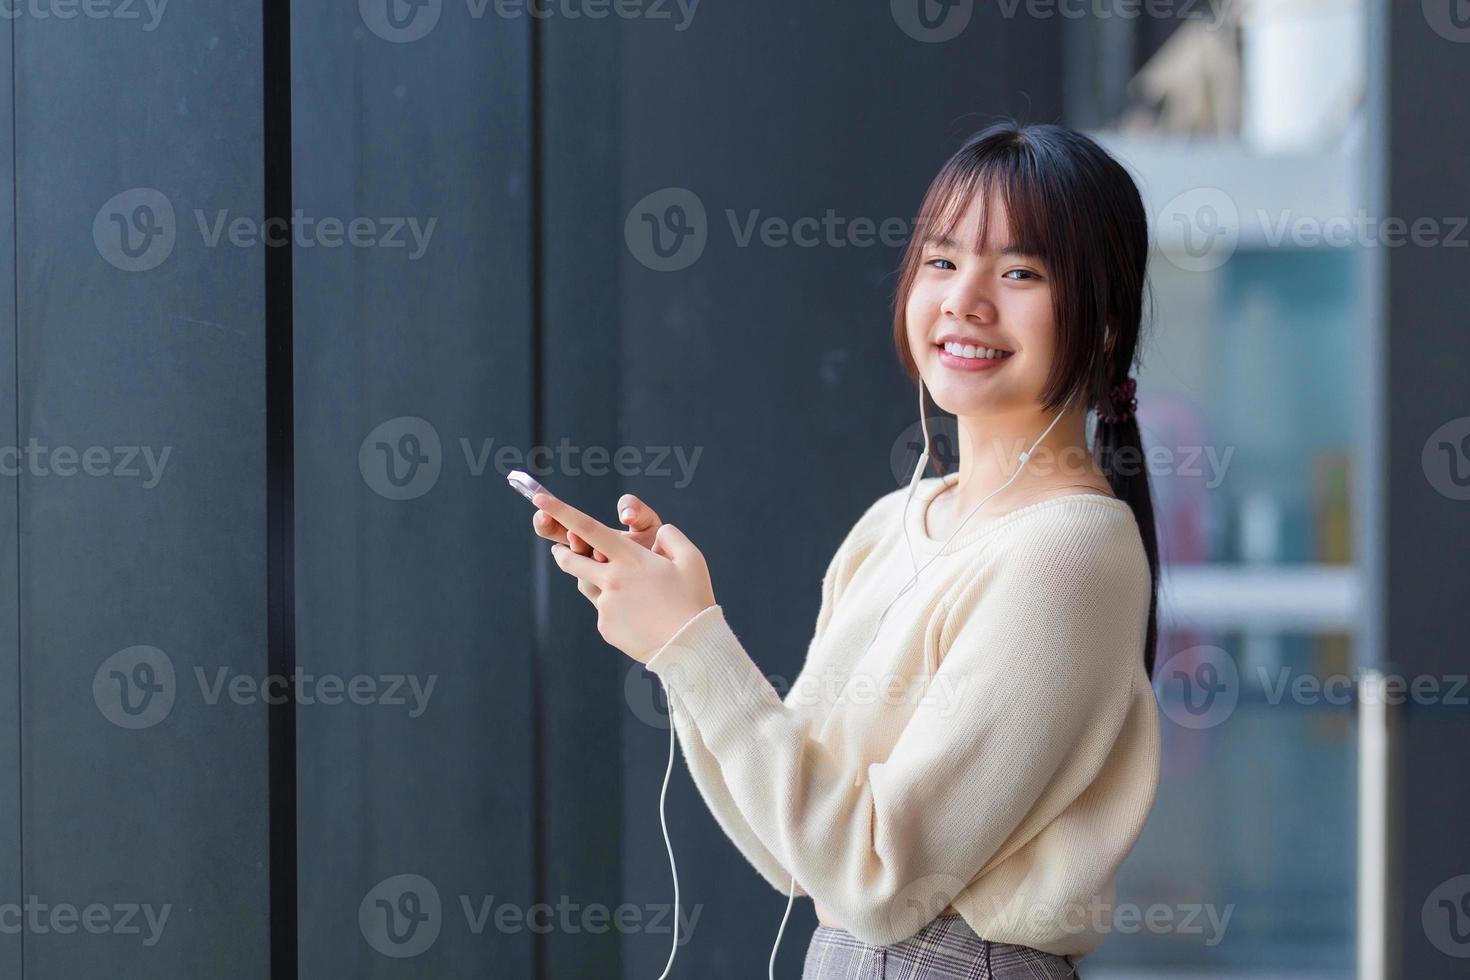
(1075, 207)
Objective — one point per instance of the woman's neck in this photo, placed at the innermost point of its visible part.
(990, 447)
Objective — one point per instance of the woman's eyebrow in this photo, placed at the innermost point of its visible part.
(1005, 250)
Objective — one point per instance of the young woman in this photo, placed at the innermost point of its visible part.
(972, 746)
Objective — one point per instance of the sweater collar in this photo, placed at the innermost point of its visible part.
(980, 523)
(918, 510)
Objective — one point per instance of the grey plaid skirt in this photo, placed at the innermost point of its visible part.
(945, 949)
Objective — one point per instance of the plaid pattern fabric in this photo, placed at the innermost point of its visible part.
(945, 949)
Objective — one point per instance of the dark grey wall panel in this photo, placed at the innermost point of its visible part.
(137, 336)
(11, 888)
(1425, 518)
(405, 356)
(776, 361)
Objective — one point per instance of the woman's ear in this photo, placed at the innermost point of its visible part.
(1112, 336)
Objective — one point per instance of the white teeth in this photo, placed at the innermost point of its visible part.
(973, 352)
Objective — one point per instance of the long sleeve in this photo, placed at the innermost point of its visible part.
(1041, 665)
(704, 767)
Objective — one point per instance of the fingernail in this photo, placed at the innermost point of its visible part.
(627, 514)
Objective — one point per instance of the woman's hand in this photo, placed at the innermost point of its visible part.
(643, 524)
(643, 595)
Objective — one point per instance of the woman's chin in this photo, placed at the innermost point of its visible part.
(964, 399)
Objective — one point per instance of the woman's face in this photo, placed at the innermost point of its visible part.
(992, 299)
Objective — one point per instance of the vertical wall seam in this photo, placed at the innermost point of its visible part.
(20, 809)
(540, 620)
(280, 492)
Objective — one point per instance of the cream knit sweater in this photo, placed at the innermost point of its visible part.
(995, 749)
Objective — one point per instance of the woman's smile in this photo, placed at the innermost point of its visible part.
(970, 358)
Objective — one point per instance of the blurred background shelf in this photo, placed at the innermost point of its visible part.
(1258, 195)
(1282, 598)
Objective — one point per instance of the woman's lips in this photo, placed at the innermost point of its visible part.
(970, 363)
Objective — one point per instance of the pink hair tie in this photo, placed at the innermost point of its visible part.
(1121, 404)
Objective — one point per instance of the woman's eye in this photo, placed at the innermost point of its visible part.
(1024, 272)
(946, 261)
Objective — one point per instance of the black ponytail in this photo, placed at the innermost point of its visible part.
(1118, 447)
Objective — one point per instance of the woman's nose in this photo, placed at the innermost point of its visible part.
(968, 304)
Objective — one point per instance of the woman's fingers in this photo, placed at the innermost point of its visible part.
(548, 527)
(582, 566)
(611, 543)
(583, 548)
(551, 529)
(643, 523)
(637, 515)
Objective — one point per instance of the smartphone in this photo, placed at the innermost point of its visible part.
(524, 483)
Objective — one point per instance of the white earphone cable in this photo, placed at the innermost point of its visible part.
(663, 821)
